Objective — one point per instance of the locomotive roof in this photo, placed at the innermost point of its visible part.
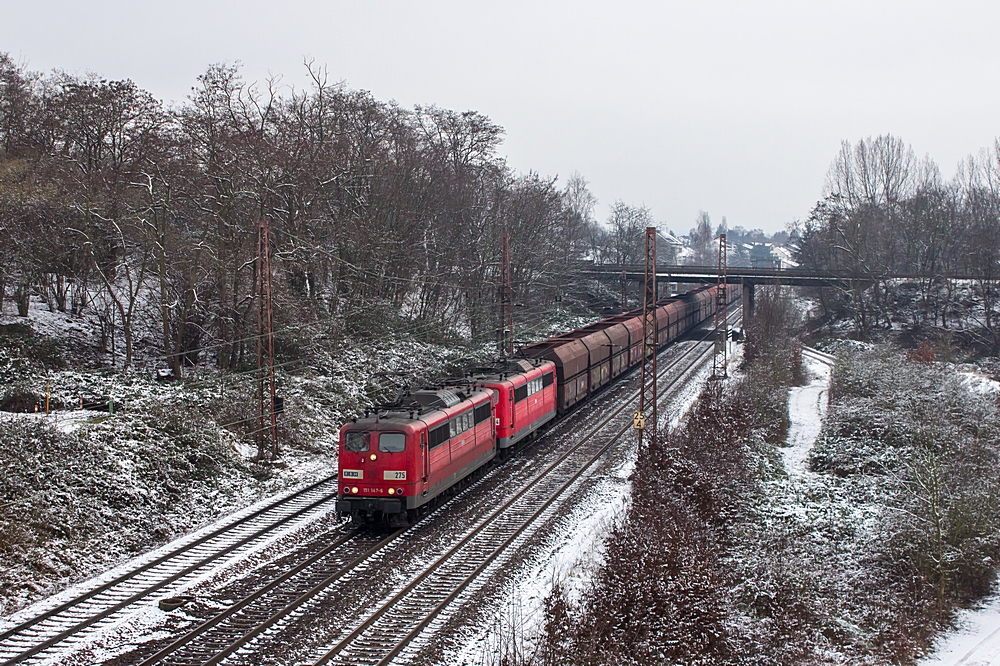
(414, 404)
(502, 368)
(444, 397)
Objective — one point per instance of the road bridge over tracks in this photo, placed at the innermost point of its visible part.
(751, 277)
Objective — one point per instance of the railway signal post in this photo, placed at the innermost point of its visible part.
(506, 332)
(720, 355)
(647, 381)
(267, 417)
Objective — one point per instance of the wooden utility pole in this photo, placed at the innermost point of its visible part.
(506, 331)
(267, 418)
(720, 357)
(647, 382)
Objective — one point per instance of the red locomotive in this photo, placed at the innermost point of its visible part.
(401, 458)
(525, 397)
(396, 462)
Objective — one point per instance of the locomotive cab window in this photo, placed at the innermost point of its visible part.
(391, 442)
(357, 442)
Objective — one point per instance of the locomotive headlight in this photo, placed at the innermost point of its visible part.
(354, 490)
(399, 491)
(347, 490)
(374, 456)
(391, 491)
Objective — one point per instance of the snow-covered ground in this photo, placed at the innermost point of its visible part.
(806, 409)
(974, 642)
(572, 557)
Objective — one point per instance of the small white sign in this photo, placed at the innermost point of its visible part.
(639, 421)
(353, 473)
(394, 476)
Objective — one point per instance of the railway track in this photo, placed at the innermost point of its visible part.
(332, 569)
(67, 623)
(394, 624)
(321, 569)
(272, 604)
(822, 357)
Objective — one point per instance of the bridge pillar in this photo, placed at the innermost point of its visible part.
(748, 289)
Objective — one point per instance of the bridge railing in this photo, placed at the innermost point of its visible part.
(748, 272)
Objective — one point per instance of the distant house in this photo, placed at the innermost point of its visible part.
(668, 248)
(786, 257)
(763, 255)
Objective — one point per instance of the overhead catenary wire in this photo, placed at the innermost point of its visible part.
(419, 281)
(399, 279)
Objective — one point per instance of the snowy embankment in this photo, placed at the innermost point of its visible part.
(975, 641)
(573, 554)
(83, 491)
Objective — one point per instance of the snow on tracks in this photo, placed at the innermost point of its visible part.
(66, 622)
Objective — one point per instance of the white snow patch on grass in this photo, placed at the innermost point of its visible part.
(979, 383)
(63, 421)
(807, 406)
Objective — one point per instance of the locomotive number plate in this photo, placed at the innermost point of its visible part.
(353, 473)
(394, 476)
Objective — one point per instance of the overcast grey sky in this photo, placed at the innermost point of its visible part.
(736, 108)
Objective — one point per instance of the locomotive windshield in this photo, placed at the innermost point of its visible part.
(357, 442)
(391, 442)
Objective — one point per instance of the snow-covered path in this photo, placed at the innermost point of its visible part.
(806, 409)
(975, 642)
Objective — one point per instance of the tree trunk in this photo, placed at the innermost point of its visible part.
(169, 350)
(47, 291)
(79, 299)
(22, 296)
(61, 287)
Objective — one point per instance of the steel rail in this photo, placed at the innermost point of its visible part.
(231, 611)
(161, 560)
(818, 355)
(347, 641)
(316, 589)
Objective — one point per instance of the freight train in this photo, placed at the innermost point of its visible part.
(396, 461)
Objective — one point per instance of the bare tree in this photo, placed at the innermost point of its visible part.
(701, 239)
(626, 225)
